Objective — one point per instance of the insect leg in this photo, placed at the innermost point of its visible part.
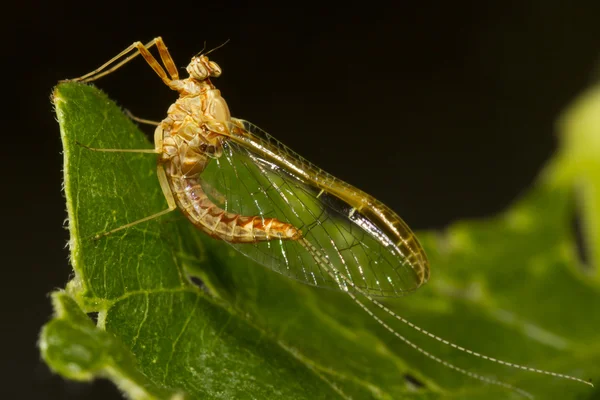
(166, 58)
(141, 120)
(158, 141)
(137, 48)
(148, 151)
(164, 185)
(100, 71)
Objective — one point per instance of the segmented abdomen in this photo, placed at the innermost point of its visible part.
(218, 223)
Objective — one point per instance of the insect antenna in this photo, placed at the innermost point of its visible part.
(218, 47)
(201, 51)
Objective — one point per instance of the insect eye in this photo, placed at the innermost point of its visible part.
(215, 69)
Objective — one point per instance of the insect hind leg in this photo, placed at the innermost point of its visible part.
(164, 184)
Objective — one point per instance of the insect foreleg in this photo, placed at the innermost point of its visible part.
(102, 70)
(137, 48)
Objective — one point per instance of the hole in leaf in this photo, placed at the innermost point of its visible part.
(577, 226)
(93, 316)
(199, 283)
(413, 382)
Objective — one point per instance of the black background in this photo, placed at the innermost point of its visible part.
(443, 111)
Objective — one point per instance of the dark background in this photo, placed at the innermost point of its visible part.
(443, 112)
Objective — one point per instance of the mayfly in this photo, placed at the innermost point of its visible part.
(279, 209)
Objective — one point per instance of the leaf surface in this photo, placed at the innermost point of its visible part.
(511, 286)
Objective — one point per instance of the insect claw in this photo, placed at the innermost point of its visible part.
(78, 143)
(93, 238)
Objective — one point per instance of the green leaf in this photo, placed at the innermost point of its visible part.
(511, 287)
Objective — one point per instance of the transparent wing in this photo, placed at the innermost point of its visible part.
(257, 175)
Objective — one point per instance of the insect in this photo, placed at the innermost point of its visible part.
(274, 206)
